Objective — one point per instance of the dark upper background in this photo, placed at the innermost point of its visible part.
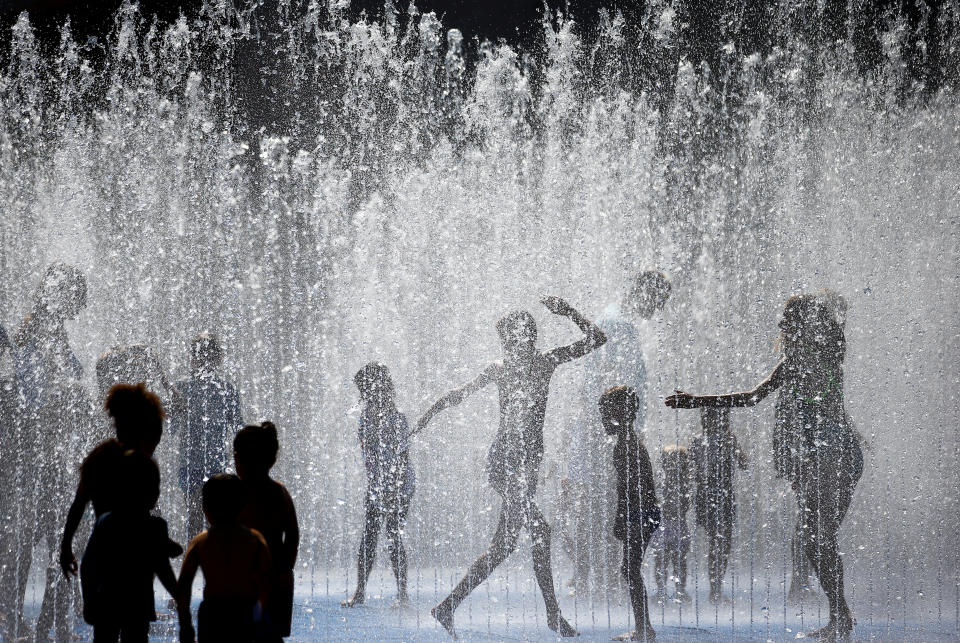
(517, 21)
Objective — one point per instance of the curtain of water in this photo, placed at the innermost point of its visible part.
(385, 202)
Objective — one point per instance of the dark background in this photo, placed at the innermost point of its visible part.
(518, 22)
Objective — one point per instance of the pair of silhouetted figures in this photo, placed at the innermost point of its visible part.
(246, 554)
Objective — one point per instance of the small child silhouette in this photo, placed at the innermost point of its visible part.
(236, 569)
(384, 434)
(269, 510)
(638, 512)
(127, 549)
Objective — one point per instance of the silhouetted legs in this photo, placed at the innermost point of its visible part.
(516, 512)
(374, 515)
(718, 553)
(638, 537)
(826, 490)
(800, 573)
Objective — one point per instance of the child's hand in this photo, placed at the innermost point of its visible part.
(68, 562)
(680, 400)
(557, 306)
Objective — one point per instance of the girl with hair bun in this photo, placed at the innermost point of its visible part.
(826, 462)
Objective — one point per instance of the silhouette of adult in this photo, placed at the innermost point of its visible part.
(205, 414)
(53, 407)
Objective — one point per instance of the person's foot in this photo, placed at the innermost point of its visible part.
(444, 616)
(637, 635)
(837, 629)
(357, 599)
(558, 624)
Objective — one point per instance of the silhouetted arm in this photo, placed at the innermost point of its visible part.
(68, 562)
(188, 571)
(594, 336)
(291, 531)
(455, 397)
(162, 566)
(683, 400)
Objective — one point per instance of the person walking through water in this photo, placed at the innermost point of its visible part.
(383, 434)
(619, 362)
(513, 461)
(810, 381)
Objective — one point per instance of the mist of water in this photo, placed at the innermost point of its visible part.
(390, 201)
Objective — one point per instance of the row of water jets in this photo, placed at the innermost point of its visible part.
(321, 193)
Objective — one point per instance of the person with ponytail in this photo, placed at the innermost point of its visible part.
(269, 510)
(384, 442)
(825, 464)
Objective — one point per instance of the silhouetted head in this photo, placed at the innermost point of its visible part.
(62, 293)
(255, 449)
(675, 460)
(138, 416)
(138, 482)
(518, 332)
(618, 409)
(648, 294)
(206, 356)
(813, 323)
(374, 383)
(222, 498)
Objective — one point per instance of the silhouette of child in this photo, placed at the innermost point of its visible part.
(127, 549)
(513, 461)
(619, 361)
(138, 418)
(236, 569)
(205, 413)
(715, 456)
(638, 512)
(269, 510)
(383, 434)
(830, 462)
(671, 543)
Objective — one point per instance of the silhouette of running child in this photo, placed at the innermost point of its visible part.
(127, 549)
(236, 569)
(810, 379)
(384, 443)
(269, 510)
(638, 512)
(716, 454)
(671, 543)
(513, 461)
(138, 418)
(206, 412)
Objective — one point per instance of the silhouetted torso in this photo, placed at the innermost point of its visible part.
(212, 413)
(636, 490)
(125, 551)
(98, 475)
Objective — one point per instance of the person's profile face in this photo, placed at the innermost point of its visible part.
(612, 425)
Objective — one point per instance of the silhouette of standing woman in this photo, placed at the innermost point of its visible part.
(810, 381)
